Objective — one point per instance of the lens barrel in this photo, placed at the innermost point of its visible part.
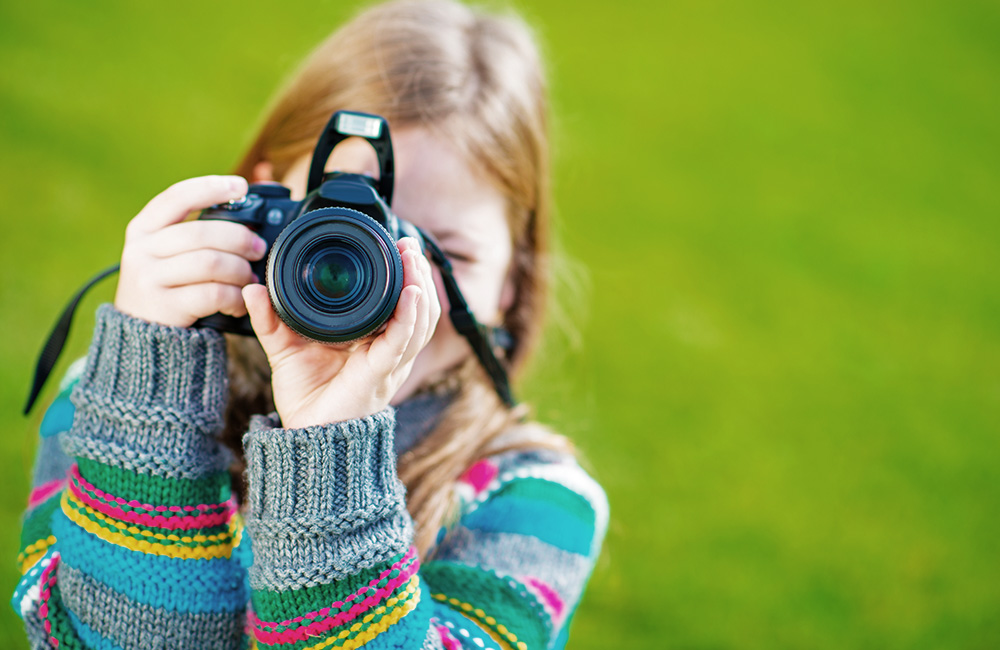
(334, 275)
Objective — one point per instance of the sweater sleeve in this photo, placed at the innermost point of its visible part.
(334, 564)
(136, 544)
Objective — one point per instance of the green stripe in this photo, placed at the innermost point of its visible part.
(499, 597)
(314, 640)
(62, 627)
(38, 524)
(167, 514)
(281, 605)
(155, 490)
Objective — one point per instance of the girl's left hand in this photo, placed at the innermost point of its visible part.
(319, 383)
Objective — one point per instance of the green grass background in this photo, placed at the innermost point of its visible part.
(784, 221)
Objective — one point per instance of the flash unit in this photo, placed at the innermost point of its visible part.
(359, 125)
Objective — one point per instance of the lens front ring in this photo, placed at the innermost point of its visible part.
(334, 275)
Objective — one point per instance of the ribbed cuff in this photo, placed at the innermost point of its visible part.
(151, 398)
(324, 501)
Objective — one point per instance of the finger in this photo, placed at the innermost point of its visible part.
(275, 337)
(224, 236)
(413, 276)
(387, 350)
(433, 303)
(207, 298)
(204, 265)
(174, 203)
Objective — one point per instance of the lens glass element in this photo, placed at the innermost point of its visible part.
(333, 273)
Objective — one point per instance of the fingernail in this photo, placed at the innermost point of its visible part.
(236, 184)
(256, 278)
(259, 245)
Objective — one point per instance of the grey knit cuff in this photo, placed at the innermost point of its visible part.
(151, 398)
(324, 501)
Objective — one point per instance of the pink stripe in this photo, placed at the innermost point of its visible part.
(447, 640)
(158, 521)
(181, 522)
(318, 627)
(186, 522)
(340, 603)
(548, 595)
(480, 475)
(44, 491)
(75, 472)
(47, 581)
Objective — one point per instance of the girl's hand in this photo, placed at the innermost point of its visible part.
(173, 271)
(319, 383)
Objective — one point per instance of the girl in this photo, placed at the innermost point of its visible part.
(391, 498)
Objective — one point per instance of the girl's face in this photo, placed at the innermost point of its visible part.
(437, 190)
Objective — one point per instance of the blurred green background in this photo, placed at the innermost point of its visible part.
(783, 360)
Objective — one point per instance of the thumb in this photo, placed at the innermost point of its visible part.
(265, 322)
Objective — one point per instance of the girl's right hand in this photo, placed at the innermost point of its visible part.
(173, 271)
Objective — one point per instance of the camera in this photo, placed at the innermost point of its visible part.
(332, 268)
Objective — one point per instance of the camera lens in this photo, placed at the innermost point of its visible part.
(334, 274)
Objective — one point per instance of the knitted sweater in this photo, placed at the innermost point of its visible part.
(132, 540)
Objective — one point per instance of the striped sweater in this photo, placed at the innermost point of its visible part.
(132, 539)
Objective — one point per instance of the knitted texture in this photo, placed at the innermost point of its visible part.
(151, 398)
(138, 544)
(310, 485)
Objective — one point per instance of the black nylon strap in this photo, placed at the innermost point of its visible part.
(480, 337)
(57, 339)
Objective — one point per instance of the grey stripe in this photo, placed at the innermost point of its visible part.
(517, 556)
(135, 626)
(50, 461)
(131, 446)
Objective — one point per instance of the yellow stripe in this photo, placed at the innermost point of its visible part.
(494, 629)
(378, 628)
(181, 552)
(79, 505)
(34, 552)
(374, 630)
(236, 528)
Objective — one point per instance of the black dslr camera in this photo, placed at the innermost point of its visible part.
(333, 270)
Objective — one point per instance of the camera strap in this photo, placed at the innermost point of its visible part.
(57, 338)
(481, 338)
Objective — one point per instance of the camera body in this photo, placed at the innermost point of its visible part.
(332, 268)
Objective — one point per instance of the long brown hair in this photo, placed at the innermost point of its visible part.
(477, 80)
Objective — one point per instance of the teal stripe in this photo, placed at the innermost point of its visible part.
(59, 416)
(195, 586)
(547, 522)
(556, 494)
(89, 636)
